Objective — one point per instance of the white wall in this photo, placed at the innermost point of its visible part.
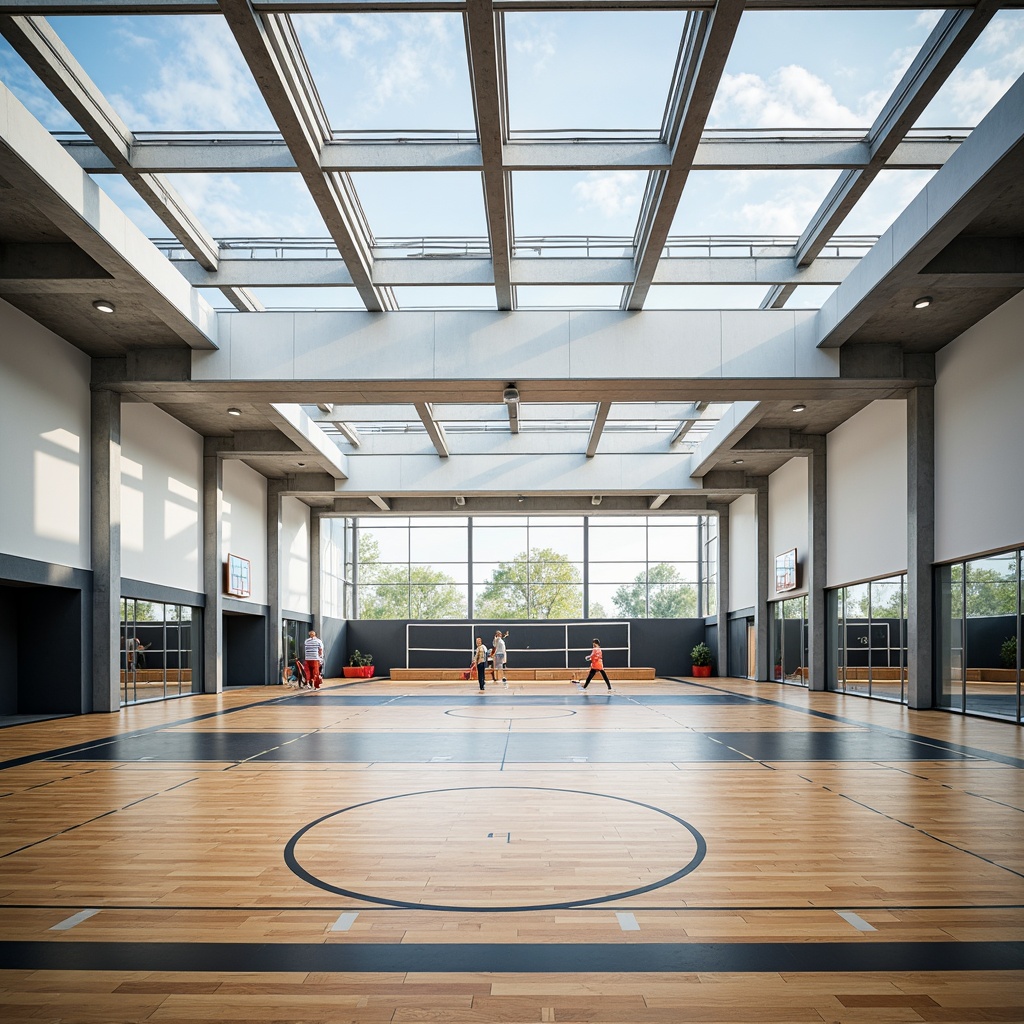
(244, 523)
(743, 552)
(161, 499)
(867, 494)
(44, 444)
(787, 519)
(294, 555)
(979, 436)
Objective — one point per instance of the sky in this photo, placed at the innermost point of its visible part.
(601, 71)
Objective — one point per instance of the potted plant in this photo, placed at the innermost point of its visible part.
(360, 666)
(701, 658)
(1008, 652)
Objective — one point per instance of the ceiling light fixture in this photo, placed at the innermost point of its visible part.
(799, 407)
(103, 306)
(737, 462)
(460, 500)
(300, 464)
(233, 411)
(521, 499)
(923, 303)
(596, 499)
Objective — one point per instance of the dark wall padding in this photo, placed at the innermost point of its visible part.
(738, 653)
(334, 633)
(663, 644)
(245, 650)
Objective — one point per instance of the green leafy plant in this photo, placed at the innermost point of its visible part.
(1008, 652)
(701, 654)
(360, 659)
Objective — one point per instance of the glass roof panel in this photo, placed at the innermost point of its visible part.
(705, 296)
(392, 72)
(595, 203)
(251, 205)
(883, 201)
(422, 203)
(990, 67)
(590, 69)
(568, 296)
(809, 296)
(825, 69)
(22, 81)
(172, 72)
(760, 203)
(446, 297)
(308, 298)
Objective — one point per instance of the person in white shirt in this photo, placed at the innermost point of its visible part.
(314, 652)
(499, 654)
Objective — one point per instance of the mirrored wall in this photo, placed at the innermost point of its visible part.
(979, 626)
(868, 648)
(158, 650)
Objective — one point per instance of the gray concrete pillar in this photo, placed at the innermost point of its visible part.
(314, 568)
(275, 650)
(213, 569)
(722, 595)
(817, 560)
(765, 570)
(105, 534)
(920, 547)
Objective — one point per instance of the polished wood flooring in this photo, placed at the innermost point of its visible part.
(677, 850)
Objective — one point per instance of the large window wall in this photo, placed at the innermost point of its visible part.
(337, 567)
(868, 648)
(980, 626)
(536, 567)
(158, 650)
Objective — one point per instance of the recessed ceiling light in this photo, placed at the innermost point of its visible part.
(596, 499)
(234, 412)
(737, 462)
(799, 407)
(923, 303)
(299, 463)
(103, 306)
(521, 499)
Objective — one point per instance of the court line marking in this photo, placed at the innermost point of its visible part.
(70, 922)
(856, 920)
(627, 922)
(344, 922)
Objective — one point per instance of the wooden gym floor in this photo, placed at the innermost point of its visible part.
(419, 852)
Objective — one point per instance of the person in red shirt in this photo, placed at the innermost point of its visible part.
(596, 659)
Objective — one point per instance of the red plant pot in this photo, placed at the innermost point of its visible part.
(367, 671)
(353, 671)
(701, 671)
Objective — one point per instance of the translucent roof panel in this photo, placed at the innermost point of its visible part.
(22, 81)
(568, 296)
(172, 72)
(577, 203)
(883, 201)
(308, 298)
(809, 296)
(590, 69)
(251, 205)
(990, 67)
(389, 71)
(422, 203)
(694, 296)
(825, 69)
(762, 203)
(446, 297)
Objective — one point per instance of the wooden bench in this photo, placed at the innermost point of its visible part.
(519, 675)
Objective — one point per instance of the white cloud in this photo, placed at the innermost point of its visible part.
(791, 97)
(611, 193)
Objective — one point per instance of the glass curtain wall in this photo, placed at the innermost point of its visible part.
(979, 616)
(337, 567)
(869, 645)
(158, 650)
(534, 567)
(787, 641)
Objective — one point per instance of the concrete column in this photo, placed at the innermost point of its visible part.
(275, 652)
(817, 559)
(314, 568)
(920, 547)
(722, 595)
(213, 570)
(765, 569)
(105, 534)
